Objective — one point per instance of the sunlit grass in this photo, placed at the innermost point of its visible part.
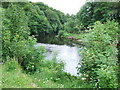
(49, 76)
(15, 78)
(76, 36)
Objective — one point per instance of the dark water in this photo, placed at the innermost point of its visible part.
(54, 40)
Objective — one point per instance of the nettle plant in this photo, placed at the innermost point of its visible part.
(99, 64)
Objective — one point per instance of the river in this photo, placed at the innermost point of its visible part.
(69, 55)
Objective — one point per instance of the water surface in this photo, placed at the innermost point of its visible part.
(68, 54)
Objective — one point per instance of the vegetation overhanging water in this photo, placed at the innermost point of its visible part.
(96, 26)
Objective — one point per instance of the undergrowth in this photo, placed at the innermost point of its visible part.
(50, 75)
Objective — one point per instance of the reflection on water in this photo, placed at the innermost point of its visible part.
(69, 55)
(48, 39)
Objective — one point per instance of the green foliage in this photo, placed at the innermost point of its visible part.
(72, 25)
(49, 77)
(12, 64)
(98, 11)
(14, 31)
(42, 19)
(34, 59)
(62, 17)
(55, 18)
(52, 76)
(16, 41)
(99, 63)
(76, 36)
(13, 77)
(38, 22)
(61, 33)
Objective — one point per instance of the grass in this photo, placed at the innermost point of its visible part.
(49, 76)
(53, 77)
(15, 78)
(76, 36)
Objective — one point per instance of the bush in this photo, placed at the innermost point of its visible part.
(99, 63)
(33, 59)
(16, 39)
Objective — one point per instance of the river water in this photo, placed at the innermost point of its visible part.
(69, 55)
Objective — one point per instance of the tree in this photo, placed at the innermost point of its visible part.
(38, 22)
(55, 17)
(72, 25)
(54, 20)
(16, 40)
(15, 29)
(97, 11)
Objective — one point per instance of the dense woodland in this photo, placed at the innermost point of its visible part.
(96, 25)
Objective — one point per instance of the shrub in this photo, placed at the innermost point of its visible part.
(99, 63)
(16, 39)
(33, 59)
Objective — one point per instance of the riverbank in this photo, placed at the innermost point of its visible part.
(76, 38)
